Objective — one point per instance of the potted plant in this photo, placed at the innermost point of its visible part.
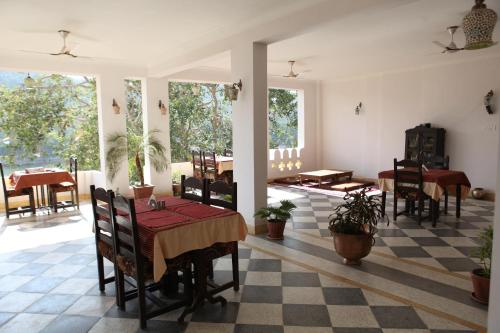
(176, 182)
(276, 218)
(481, 276)
(353, 225)
(119, 145)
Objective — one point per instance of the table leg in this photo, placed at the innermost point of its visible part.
(459, 199)
(384, 198)
(300, 180)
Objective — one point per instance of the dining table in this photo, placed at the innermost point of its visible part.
(39, 178)
(224, 164)
(435, 183)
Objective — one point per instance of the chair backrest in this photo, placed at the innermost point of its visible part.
(197, 163)
(408, 178)
(3, 181)
(209, 162)
(192, 188)
(73, 168)
(101, 208)
(437, 162)
(126, 236)
(228, 152)
(226, 195)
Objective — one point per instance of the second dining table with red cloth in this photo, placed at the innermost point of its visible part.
(183, 226)
(46, 176)
(436, 181)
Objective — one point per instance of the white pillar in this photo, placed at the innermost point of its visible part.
(494, 301)
(249, 63)
(154, 90)
(111, 86)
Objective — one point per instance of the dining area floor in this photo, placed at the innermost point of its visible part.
(415, 279)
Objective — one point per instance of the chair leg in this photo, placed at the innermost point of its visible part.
(77, 198)
(54, 201)
(211, 270)
(421, 203)
(120, 286)
(384, 198)
(100, 271)
(142, 303)
(395, 208)
(236, 270)
(32, 203)
(7, 209)
(446, 201)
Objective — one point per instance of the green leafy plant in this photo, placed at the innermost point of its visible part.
(150, 144)
(176, 176)
(485, 251)
(359, 214)
(277, 214)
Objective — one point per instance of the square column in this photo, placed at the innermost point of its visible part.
(154, 90)
(111, 86)
(249, 63)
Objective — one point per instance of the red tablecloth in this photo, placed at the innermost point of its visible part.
(23, 179)
(443, 178)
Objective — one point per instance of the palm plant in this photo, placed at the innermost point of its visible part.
(485, 251)
(277, 214)
(119, 145)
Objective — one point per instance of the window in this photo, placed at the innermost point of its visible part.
(283, 118)
(200, 118)
(46, 120)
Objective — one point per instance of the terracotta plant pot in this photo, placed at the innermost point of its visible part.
(481, 286)
(143, 191)
(352, 247)
(176, 189)
(275, 229)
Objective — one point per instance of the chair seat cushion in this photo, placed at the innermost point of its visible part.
(106, 250)
(127, 266)
(24, 191)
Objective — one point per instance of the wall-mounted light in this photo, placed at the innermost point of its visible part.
(488, 102)
(116, 107)
(162, 107)
(357, 109)
(231, 91)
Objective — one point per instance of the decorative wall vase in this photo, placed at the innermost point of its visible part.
(478, 26)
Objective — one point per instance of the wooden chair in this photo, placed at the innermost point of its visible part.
(197, 162)
(228, 152)
(225, 196)
(136, 270)
(443, 163)
(104, 238)
(9, 192)
(66, 187)
(210, 166)
(193, 189)
(409, 185)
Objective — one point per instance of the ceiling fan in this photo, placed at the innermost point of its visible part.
(65, 49)
(451, 47)
(291, 73)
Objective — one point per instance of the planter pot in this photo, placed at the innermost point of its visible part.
(275, 229)
(143, 191)
(478, 193)
(176, 189)
(481, 286)
(352, 247)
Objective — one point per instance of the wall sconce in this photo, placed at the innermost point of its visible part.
(358, 108)
(488, 103)
(162, 107)
(116, 107)
(231, 91)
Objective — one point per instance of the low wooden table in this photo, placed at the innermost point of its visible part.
(321, 175)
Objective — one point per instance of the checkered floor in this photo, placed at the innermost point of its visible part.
(450, 245)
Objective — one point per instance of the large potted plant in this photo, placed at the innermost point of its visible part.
(276, 218)
(481, 276)
(353, 225)
(119, 144)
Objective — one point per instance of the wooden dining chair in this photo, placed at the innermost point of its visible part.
(104, 237)
(193, 189)
(210, 166)
(224, 195)
(136, 270)
(442, 163)
(197, 162)
(54, 189)
(228, 152)
(409, 185)
(9, 192)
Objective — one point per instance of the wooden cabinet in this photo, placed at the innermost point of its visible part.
(424, 142)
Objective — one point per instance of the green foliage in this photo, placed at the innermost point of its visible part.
(359, 214)
(135, 127)
(176, 176)
(277, 214)
(198, 121)
(485, 251)
(53, 120)
(119, 146)
(283, 118)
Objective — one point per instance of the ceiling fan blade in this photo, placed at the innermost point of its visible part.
(37, 52)
(440, 44)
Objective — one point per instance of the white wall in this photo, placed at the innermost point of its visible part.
(446, 96)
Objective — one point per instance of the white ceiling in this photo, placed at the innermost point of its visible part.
(332, 39)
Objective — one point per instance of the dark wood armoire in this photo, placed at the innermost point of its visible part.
(424, 143)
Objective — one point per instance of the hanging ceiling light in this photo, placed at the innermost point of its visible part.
(29, 82)
(478, 26)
